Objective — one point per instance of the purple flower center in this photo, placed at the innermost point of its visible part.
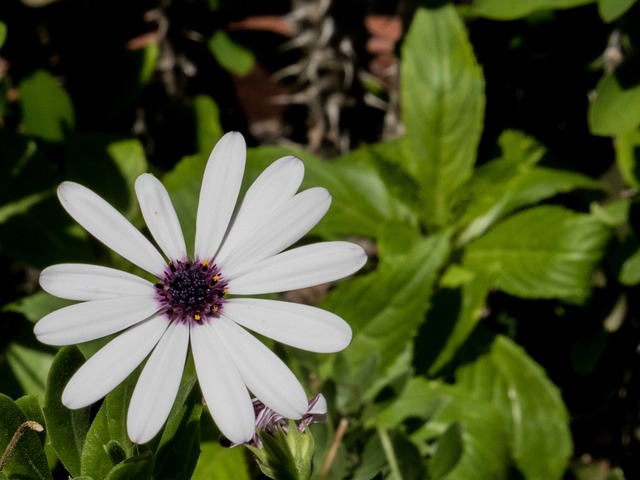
(192, 291)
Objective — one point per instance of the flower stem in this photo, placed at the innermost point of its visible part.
(331, 456)
(387, 446)
(16, 438)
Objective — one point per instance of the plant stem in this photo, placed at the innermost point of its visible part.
(387, 446)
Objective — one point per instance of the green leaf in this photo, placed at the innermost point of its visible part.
(139, 467)
(442, 105)
(513, 181)
(47, 111)
(485, 447)
(384, 308)
(543, 252)
(451, 319)
(183, 184)
(208, 128)
(221, 463)
(67, 428)
(179, 446)
(611, 9)
(448, 452)
(508, 10)
(529, 403)
(109, 426)
(3, 33)
(230, 54)
(362, 198)
(361, 184)
(28, 177)
(616, 107)
(27, 459)
(627, 147)
(30, 406)
(630, 271)
(613, 214)
(30, 366)
(109, 165)
(36, 306)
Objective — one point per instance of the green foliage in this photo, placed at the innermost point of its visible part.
(26, 458)
(67, 429)
(442, 104)
(469, 230)
(52, 120)
(230, 54)
(616, 107)
(557, 264)
(530, 406)
(612, 9)
(506, 10)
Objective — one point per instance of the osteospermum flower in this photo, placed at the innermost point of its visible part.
(193, 302)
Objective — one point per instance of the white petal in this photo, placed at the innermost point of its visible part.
(268, 378)
(160, 216)
(300, 268)
(90, 320)
(222, 386)
(114, 362)
(300, 326)
(75, 281)
(158, 385)
(284, 226)
(277, 184)
(106, 224)
(219, 192)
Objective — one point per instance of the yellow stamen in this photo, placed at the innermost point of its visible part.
(197, 317)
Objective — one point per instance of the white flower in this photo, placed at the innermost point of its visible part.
(236, 253)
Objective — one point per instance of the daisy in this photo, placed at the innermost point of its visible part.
(198, 302)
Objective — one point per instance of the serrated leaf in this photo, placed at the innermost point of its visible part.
(611, 9)
(529, 403)
(513, 181)
(543, 252)
(616, 106)
(230, 54)
(384, 308)
(507, 10)
(47, 111)
(67, 428)
(442, 100)
(27, 459)
(445, 405)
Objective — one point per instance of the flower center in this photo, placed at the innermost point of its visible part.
(192, 291)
